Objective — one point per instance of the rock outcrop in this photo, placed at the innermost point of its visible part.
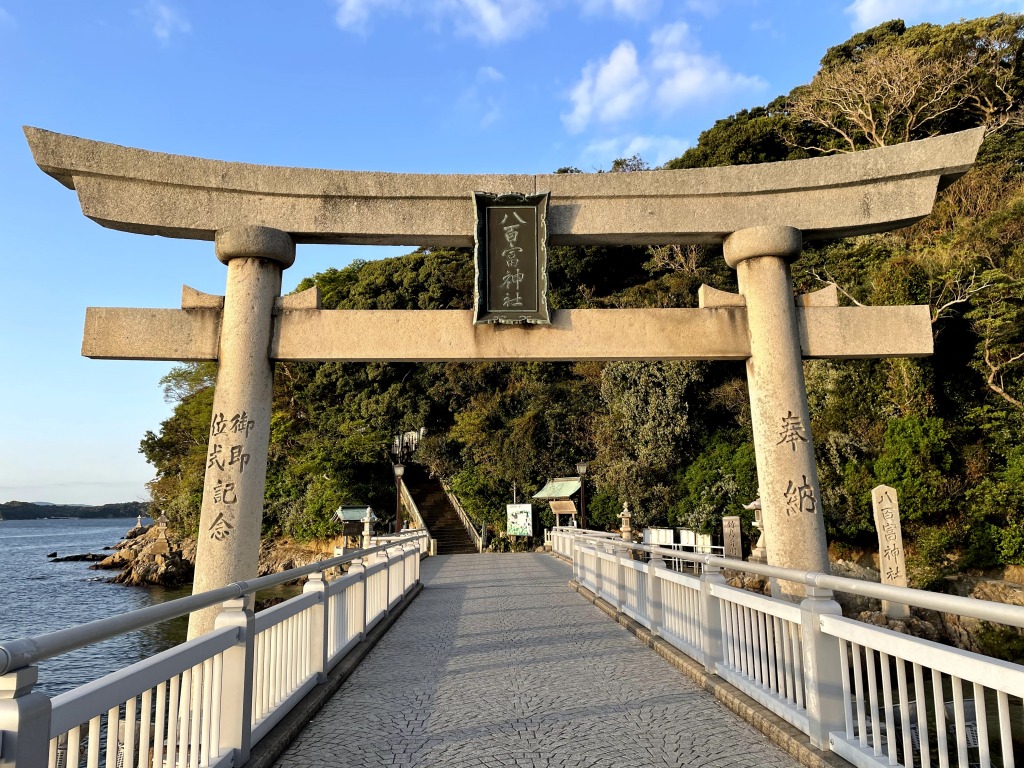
(141, 562)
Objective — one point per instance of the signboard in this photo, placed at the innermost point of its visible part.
(511, 259)
(731, 537)
(520, 519)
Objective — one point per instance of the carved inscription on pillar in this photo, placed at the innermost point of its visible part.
(792, 431)
(799, 497)
(227, 459)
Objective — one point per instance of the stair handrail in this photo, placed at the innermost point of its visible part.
(411, 508)
(466, 522)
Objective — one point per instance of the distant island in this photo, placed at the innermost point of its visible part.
(25, 510)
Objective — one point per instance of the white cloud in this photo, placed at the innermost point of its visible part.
(675, 72)
(868, 13)
(489, 75)
(686, 75)
(481, 101)
(491, 21)
(495, 20)
(608, 91)
(636, 9)
(655, 150)
(354, 15)
(703, 7)
(165, 20)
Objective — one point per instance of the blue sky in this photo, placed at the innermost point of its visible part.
(428, 86)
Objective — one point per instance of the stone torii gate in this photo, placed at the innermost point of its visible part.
(257, 214)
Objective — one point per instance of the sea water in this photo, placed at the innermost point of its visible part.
(38, 596)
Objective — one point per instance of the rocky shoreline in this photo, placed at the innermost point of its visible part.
(141, 559)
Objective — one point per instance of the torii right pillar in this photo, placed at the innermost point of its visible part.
(790, 497)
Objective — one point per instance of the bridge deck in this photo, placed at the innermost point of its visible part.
(499, 663)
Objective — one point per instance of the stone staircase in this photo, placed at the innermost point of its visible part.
(438, 513)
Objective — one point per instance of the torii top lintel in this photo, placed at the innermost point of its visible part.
(186, 197)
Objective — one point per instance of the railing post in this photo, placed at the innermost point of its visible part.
(319, 625)
(386, 570)
(712, 644)
(654, 605)
(24, 720)
(410, 550)
(593, 574)
(356, 566)
(237, 680)
(419, 556)
(620, 575)
(822, 667)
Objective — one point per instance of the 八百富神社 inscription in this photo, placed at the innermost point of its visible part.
(511, 259)
(892, 561)
(731, 537)
(761, 214)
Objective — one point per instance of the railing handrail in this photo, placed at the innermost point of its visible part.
(16, 654)
(410, 505)
(466, 522)
(986, 610)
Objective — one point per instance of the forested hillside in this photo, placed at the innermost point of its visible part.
(674, 438)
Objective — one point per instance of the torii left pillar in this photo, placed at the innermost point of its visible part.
(236, 461)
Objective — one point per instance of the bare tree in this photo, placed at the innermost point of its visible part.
(996, 371)
(888, 97)
(675, 258)
(994, 90)
(954, 288)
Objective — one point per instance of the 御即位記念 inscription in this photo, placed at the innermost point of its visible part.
(228, 458)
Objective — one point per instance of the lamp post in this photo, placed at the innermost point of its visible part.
(581, 469)
(399, 471)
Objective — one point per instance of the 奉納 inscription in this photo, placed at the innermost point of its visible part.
(800, 498)
(792, 431)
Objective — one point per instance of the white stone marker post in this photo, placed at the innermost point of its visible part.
(731, 537)
(786, 472)
(236, 463)
(891, 557)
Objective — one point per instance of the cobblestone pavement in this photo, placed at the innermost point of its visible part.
(499, 663)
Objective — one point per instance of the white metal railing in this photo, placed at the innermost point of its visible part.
(207, 701)
(423, 542)
(474, 534)
(679, 564)
(873, 696)
(418, 522)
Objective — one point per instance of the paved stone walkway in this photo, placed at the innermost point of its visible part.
(499, 663)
